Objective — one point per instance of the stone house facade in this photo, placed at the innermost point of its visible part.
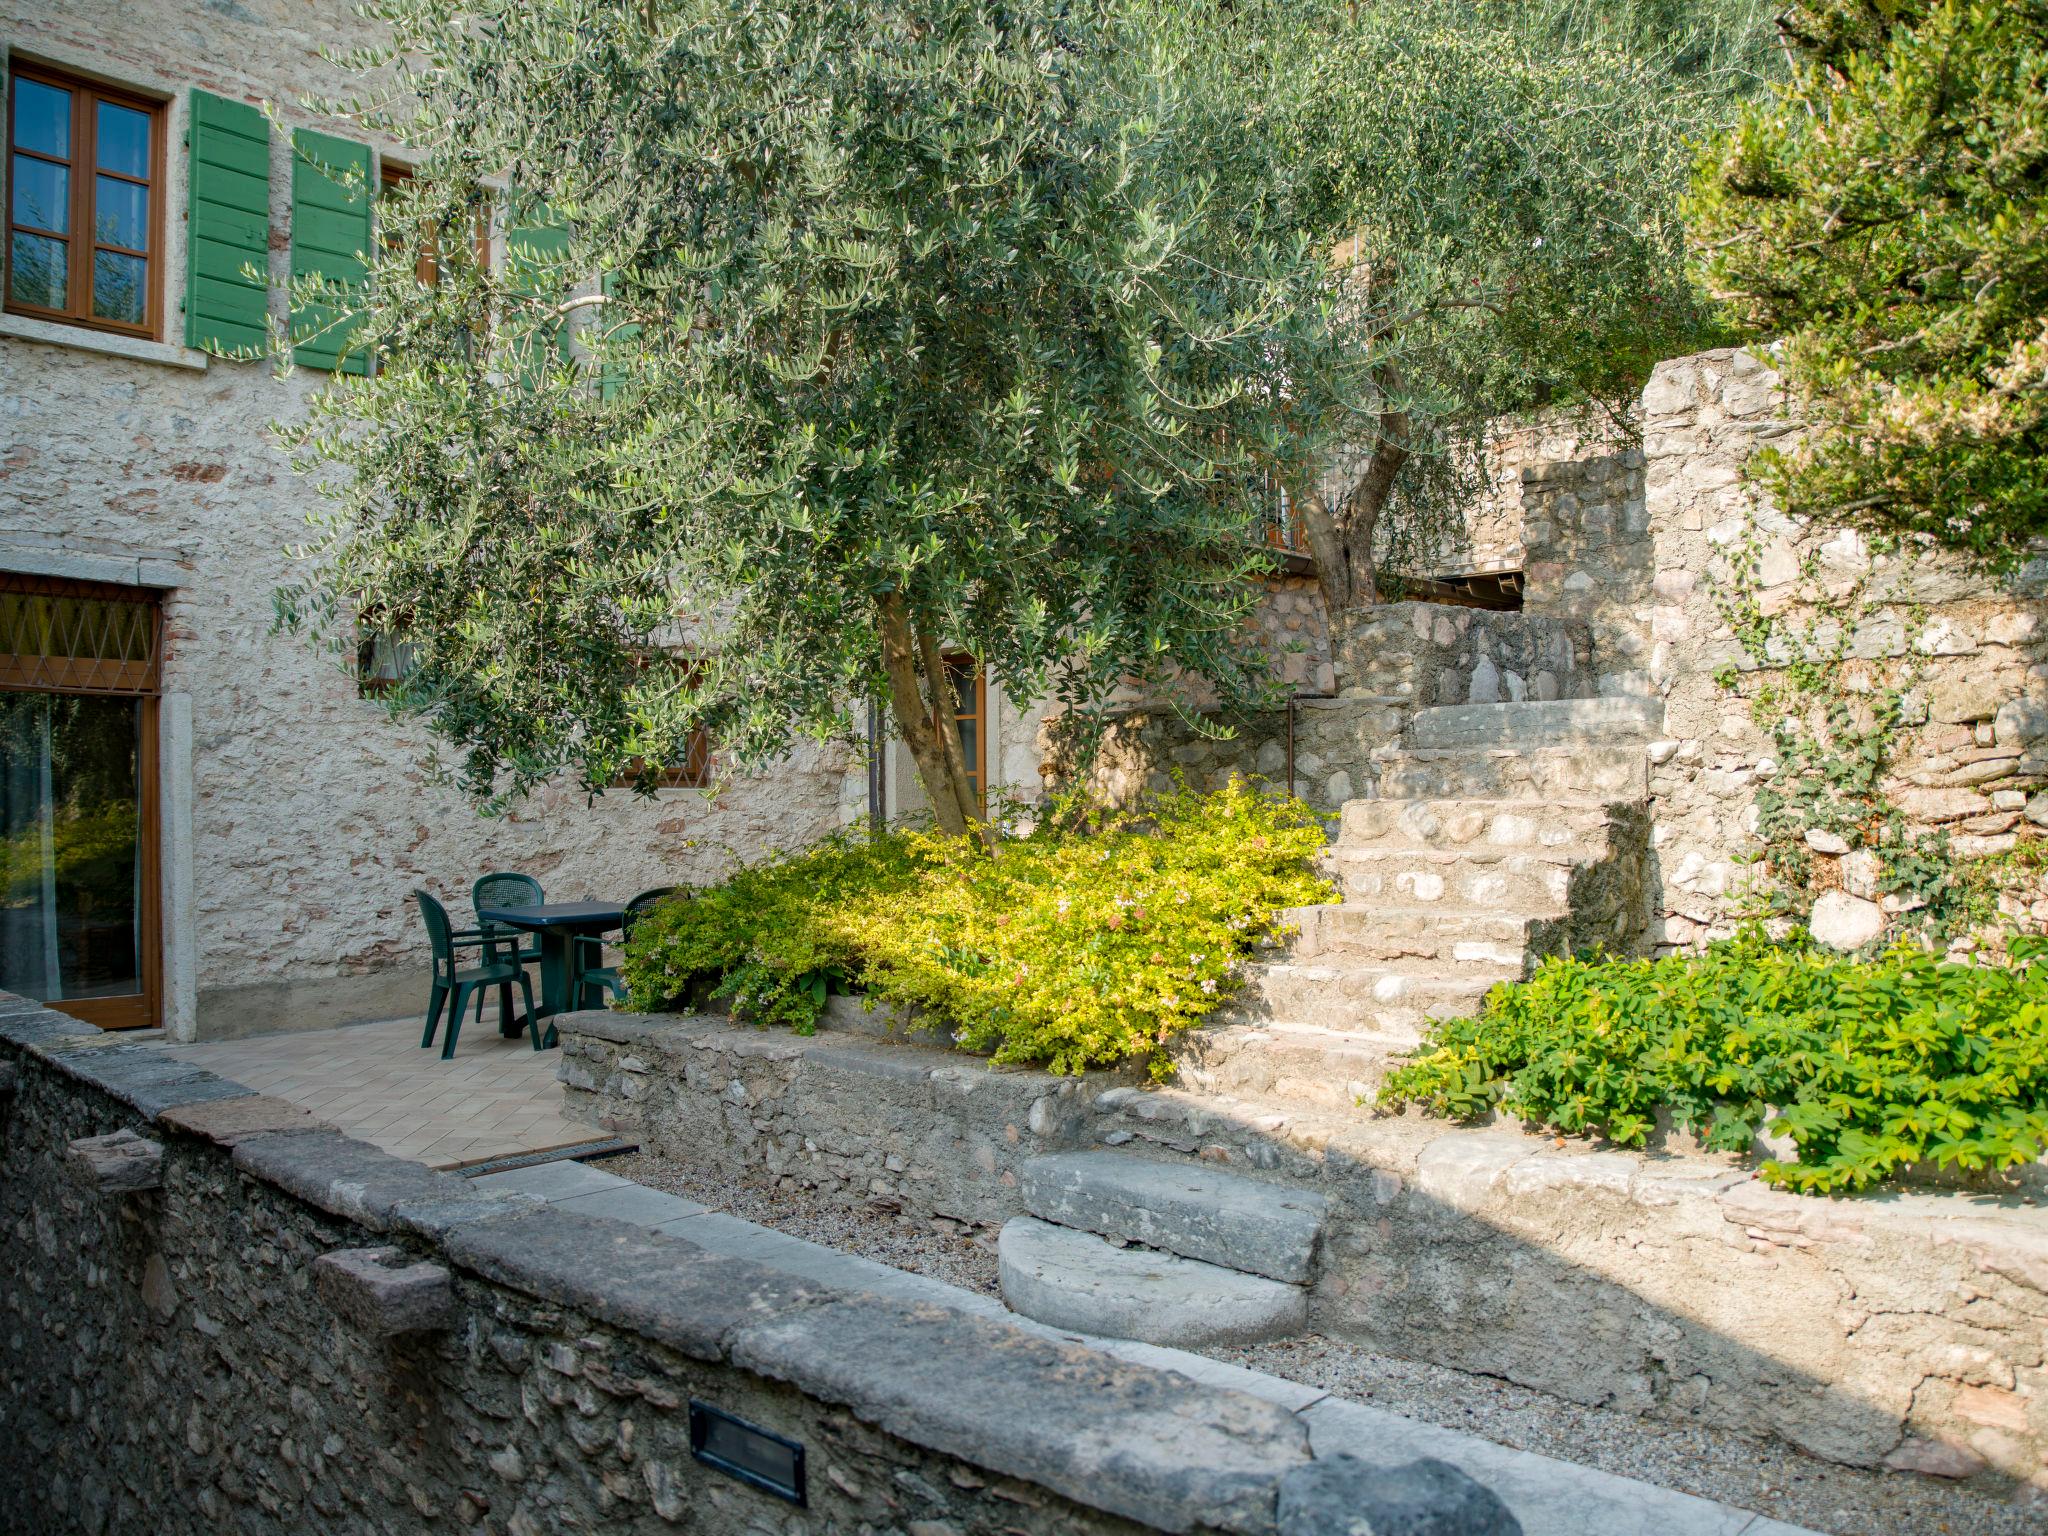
(290, 817)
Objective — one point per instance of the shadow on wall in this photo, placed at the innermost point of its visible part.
(1901, 1330)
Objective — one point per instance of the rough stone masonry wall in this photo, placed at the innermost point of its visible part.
(1904, 1331)
(1972, 750)
(310, 819)
(1400, 657)
(172, 1360)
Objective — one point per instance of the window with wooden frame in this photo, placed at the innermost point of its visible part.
(382, 659)
(970, 702)
(392, 175)
(85, 182)
(694, 771)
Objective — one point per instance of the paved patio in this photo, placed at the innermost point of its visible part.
(497, 1098)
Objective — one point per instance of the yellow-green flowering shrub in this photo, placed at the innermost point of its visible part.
(1072, 947)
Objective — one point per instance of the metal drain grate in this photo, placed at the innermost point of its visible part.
(576, 1152)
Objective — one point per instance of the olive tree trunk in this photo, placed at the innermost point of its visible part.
(923, 707)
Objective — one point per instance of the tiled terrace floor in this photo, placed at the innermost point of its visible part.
(496, 1098)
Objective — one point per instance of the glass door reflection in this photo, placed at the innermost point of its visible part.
(75, 877)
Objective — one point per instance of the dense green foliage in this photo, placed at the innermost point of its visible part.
(1868, 1066)
(1885, 214)
(1076, 948)
(921, 322)
(1501, 184)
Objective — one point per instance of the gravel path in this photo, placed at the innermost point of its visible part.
(1761, 1475)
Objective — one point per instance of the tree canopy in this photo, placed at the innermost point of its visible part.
(1503, 184)
(1883, 217)
(827, 338)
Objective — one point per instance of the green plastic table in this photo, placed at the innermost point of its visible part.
(559, 924)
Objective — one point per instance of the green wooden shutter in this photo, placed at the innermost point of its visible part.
(330, 235)
(228, 227)
(533, 254)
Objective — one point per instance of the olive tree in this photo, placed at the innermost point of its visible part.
(1501, 184)
(1882, 217)
(825, 337)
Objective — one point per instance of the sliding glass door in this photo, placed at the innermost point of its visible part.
(78, 814)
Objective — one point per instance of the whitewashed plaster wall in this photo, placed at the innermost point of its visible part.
(298, 817)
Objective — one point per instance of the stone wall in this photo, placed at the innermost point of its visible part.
(1430, 654)
(1905, 1330)
(298, 818)
(1328, 740)
(177, 1355)
(1970, 652)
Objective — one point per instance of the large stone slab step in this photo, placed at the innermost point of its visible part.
(1500, 826)
(1540, 773)
(1195, 1211)
(1450, 936)
(1528, 884)
(1066, 1278)
(1368, 998)
(1549, 723)
(1286, 1063)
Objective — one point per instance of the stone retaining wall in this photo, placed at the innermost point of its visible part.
(177, 1353)
(1973, 652)
(1904, 1330)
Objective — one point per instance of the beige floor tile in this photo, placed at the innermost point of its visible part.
(497, 1096)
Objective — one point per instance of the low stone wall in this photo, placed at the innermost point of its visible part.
(1904, 1330)
(1331, 741)
(193, 1339)
(1401, 657)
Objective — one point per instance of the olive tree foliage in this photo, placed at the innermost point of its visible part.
(1884, 215)
(853, 331)
(1501, 183)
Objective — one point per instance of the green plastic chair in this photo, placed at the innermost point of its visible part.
(506, 889)
(588, 953)
(453, 983)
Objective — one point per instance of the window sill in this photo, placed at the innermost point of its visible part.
(134, 348)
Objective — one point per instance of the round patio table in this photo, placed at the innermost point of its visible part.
(559, 924)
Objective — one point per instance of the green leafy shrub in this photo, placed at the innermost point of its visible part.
(1072, 947)
(1869, 1066)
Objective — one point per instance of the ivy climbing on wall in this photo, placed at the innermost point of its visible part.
(1836, 682)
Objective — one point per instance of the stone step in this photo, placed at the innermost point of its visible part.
(1454, 938)
(1291, 1064)
(1539, 773)
(1365, 998)
(1504, 825)
(1548, 723)
(1529, 884)
(1070, 1279)
(1194, 1211)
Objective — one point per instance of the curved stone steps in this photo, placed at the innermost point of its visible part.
(1530, 882)
(1191, 1210)
(1066, 1278)
(1452, 937)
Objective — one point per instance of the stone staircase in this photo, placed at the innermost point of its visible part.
(1165, 1253)
(1500, 833)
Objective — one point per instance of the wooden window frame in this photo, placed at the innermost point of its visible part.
(82, 242)
(954, 662)
(142, 681)
(693, 772)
